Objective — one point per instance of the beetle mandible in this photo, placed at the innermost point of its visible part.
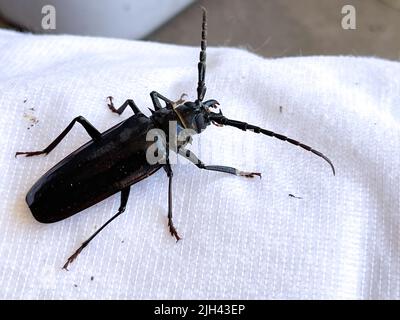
(114, 160)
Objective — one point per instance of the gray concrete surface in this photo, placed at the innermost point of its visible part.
(275, 28)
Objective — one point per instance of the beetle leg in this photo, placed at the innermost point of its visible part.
(122, 108)
(193, 158)
(92, 131)
(124, 201)
(155, 98)
(171, 226)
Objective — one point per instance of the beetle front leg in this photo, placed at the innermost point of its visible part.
(90, 129)
(124, 201)
(155, 98)
(193, 158)
(122, 108)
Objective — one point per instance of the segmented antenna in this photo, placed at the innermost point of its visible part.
(201, 88)
(220, 119)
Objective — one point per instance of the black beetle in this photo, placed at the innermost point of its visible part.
(114, 160)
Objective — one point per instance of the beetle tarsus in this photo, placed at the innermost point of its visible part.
(128, 103)
(74, 256)
(30, 153)
(181, 99)
(69, 261)
(173, 231)
(110, 104)
(249, 174)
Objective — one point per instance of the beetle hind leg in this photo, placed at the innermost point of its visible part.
(124, 201)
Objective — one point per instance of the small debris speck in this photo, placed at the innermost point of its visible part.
(75, 285)
(293, 196)
(25, 100)
(91, 278)
(122, 241)
(280, 109)
(31, 118)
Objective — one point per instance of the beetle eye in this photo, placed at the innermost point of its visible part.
(217, 109)
(212, 103)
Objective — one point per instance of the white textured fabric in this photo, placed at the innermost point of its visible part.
(242, 238)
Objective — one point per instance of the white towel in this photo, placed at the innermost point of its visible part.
(242, 238)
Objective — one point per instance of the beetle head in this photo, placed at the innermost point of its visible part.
(194, 115)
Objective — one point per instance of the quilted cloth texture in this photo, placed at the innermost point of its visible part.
(242, 238)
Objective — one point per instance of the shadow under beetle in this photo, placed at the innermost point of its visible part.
(114, 160)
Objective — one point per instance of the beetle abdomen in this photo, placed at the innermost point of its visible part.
(93, 172)
(51, 202)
